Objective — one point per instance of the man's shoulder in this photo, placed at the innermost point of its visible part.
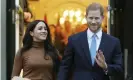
(77, 35)
(110, 37)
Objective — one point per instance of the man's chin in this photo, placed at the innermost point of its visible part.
(93, 29)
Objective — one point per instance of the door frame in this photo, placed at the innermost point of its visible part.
(10, 36)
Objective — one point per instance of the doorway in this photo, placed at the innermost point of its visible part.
(122, 28)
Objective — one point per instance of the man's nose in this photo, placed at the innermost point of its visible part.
(93, 21)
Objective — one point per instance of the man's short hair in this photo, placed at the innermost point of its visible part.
(95, 6)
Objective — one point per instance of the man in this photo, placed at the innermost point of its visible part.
(91, 54)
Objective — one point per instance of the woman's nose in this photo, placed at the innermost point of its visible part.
(43, 30)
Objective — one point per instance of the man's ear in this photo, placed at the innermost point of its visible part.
(31, 33)
(86, 17)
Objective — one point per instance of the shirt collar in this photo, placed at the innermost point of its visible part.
(98, 34)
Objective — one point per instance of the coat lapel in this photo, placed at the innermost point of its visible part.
(102, 43)
(85, 47)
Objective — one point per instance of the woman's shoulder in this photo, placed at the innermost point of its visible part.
(18, 55)
(22, 52)
(19, 52)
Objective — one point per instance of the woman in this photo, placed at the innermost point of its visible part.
(38, 58)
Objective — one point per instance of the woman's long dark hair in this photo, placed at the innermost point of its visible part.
(48, 47)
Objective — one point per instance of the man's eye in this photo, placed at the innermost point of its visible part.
(90, 17)
(97, 18)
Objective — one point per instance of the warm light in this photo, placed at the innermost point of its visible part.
(84, 21)
(65, 13)
(56, 15)
(71, 20)
(62, 20)
(71, 13)
(84, 13)
(78, 19)
(33, 8)
(78, 13)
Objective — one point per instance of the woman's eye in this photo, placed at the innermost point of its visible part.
(40, 28)
(45, 28)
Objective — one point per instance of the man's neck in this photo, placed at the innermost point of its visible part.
(96, 30)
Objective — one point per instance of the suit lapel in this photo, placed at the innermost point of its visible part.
(85, 47)
(102, 43)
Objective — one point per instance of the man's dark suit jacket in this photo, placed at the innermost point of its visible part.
(77, 58)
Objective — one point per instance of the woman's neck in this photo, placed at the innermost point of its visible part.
(37, 44)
